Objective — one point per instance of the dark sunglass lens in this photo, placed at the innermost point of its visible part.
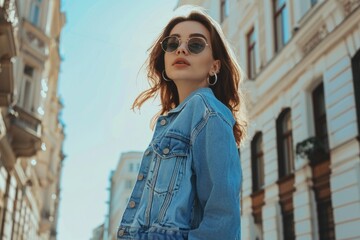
(170, 44)
(196, 45)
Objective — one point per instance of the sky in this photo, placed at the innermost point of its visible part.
(104, 45)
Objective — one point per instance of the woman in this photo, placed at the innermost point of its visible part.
(190, 176)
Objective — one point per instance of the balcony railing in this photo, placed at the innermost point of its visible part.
(6, 82)
(46, 221)
(25, 130)
(36, 42)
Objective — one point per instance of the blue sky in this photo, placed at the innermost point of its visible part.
(104, 45)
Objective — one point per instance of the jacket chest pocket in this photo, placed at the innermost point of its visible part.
(168, 168)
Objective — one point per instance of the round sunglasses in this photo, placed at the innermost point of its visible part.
(195, 45)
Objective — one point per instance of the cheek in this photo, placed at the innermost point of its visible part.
(205, 63)
(167, 60)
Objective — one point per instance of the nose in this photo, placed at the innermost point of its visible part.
(182, 49)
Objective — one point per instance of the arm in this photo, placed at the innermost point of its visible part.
(218, 174)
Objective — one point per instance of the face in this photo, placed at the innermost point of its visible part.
(187, 68)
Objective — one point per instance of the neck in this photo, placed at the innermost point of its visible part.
(184, 90)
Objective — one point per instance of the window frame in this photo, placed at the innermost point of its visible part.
(27, 89)
(224, 10)
(257, 163)
(326, 224)
(313, 3)
(285, 166)
(251, 52)
(320, 118)
(280, 42)
(288, 216)
(35, 12)
(355, 65)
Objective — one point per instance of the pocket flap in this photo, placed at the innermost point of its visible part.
(171, 145)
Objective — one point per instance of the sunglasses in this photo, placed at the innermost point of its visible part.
(195, 45)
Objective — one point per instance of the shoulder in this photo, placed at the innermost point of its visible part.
(206, 104)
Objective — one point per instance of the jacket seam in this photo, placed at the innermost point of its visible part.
(209, 106)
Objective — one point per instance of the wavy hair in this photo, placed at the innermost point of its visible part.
(226, 90)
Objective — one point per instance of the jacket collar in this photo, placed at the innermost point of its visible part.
(205, 90)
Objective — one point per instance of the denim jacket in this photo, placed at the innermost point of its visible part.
(188, 186)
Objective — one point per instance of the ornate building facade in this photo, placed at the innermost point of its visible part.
(301, 165)
(31, 134)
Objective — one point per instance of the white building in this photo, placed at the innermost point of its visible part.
(31, 134)
(122, 181)
(301, 166)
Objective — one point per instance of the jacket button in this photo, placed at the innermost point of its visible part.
(121, 233)
(166, 151)
(131, 204)
(140, 177)
(162, 122)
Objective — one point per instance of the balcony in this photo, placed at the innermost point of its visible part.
(35, 42)
(46, 221)
(25, 130)
(8, 24)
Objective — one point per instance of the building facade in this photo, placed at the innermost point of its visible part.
(301, 165)
(122, 182)
(31, 134)
(98, 233)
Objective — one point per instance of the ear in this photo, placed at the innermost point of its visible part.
(215, 67)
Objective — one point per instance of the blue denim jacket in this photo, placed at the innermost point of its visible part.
(189, 181)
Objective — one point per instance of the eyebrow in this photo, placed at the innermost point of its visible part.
(191, 35)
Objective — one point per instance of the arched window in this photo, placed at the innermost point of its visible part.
(285, 143)
(257, 162)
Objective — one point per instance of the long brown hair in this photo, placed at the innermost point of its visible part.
(226, 90)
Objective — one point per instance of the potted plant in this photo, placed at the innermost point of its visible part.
(313, 149)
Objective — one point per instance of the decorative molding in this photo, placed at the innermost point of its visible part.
(315, 39)
(10, 13)
(350, 6)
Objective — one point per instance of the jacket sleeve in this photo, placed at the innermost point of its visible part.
(218, 181)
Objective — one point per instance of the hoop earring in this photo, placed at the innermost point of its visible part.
(163, 75)
(212, 84)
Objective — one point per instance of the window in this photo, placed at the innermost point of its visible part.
(326, 219)
(131, 167)
(319, 108)
(35, 12)
(285, 143)
(258, 229)
(281, 24)
(224, 9)
(303, 8)
(313, 2)
(356, 80)
(27, 90)
(128, 184)
(138, 166)
(288, 224)
(257, 162)
(251, 54)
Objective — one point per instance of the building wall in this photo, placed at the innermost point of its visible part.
(122, 181)
(31, 134)
(323, 40)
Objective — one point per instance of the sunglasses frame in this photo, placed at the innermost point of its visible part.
(187, 44)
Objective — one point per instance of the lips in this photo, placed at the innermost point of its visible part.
(181, 61)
